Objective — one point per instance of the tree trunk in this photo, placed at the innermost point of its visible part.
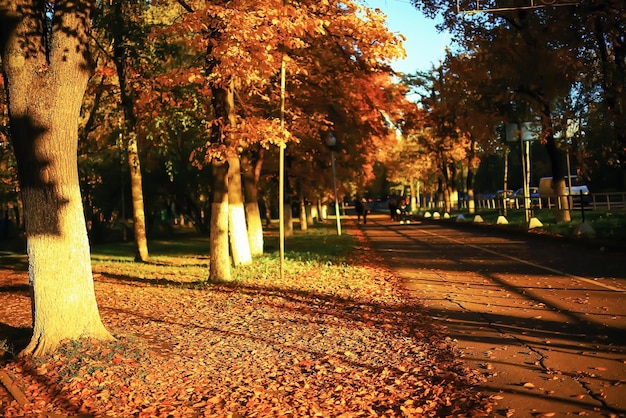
(558, 180)
(303, 221)
(120, 53)
(237, 228)
(321, 214)
(413, 195)
(469, 182)
(45, 90)
(219, 269)
(309, 213)
(288, 220)
(136, 193)
(250, 178)
(505, 181)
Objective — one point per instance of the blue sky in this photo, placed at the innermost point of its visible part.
(424, 45)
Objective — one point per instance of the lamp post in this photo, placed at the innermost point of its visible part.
(281, 175)
(331, 141)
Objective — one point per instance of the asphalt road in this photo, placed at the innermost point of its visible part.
(543, 320)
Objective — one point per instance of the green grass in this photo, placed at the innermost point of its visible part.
(608, 225)
(183, 258)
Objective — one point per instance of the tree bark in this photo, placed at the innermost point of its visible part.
(136, 193)
(469, 182)
(46, 73)
(302, 209)
(237, 228)
(288, 220)
(250, 177)
(558, 181)
(219, 269)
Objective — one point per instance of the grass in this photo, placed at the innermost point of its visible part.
(607, 225)
(5, 348)
(184, 257)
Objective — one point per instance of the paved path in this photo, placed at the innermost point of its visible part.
(543, 320)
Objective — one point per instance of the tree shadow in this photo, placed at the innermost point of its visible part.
(492, 298)
(13, 340)
(14, 261)
(323, 313)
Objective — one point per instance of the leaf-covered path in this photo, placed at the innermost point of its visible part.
(326, 342)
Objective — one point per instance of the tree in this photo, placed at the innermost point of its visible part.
(46, 65)
(539, 58)
(600, 27)
(121, 27)
(245, 46)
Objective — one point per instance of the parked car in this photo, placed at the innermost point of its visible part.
(534, 196)
(578, 189)
(505, 197)
(580, 193)
(534, 192)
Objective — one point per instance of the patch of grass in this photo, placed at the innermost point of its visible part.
(86, 356)
(6, 349)
(183, 258)
(608, 225)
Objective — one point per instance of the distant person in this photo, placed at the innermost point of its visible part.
(362, 209)
(403, 211)
(393, 208)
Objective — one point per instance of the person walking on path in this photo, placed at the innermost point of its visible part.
(403, 211)
(393, 207)
(362, 209)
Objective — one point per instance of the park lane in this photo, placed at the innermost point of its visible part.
(544, 321)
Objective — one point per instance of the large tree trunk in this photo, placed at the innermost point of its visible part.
(45, 89)
(219, 269)
(250, 178)
(222, 102)
(237, 228)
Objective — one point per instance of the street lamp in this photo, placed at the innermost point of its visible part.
(331, 141)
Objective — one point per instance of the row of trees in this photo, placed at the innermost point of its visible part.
(189, 93)
(558, 66)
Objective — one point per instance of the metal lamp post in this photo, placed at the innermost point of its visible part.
(331, 141)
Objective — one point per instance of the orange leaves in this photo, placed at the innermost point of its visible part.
(340, 343)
